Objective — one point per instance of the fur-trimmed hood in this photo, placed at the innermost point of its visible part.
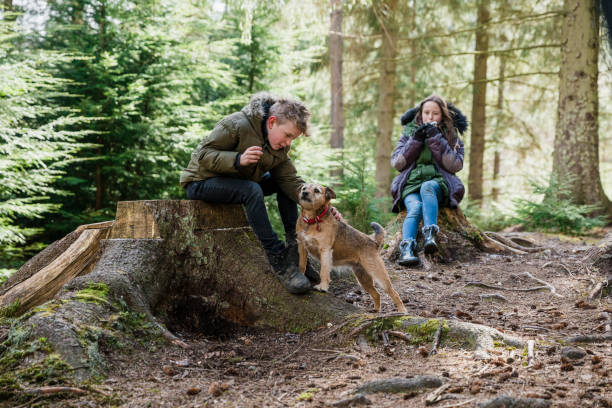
(260, 104)
(459, 118)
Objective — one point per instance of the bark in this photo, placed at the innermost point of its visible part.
(479, 99)
(413, 54)
(576, 149)
(498, 125)
(386, 15)
(335, 67)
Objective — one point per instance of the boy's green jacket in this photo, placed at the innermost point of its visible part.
(216, 155)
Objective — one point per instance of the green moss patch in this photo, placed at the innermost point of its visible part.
(94, 293)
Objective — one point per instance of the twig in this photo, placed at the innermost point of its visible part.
(493, 296)
(530, 352)
(597, 289)
(434, 396)
(358, 399)
(566, 269)
(487, 286)
(292, 353)
(547, 264)
(326, 350)
(400, 335)
(533, 327)
(29, 403)
(436, 341)
(54, 390)
(387, 344)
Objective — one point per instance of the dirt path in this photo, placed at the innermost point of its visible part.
(258, 369)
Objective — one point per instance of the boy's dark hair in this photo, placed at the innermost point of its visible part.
(290, 109)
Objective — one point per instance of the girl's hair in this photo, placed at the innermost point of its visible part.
(448, 125)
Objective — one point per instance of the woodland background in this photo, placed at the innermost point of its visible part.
(104, 100)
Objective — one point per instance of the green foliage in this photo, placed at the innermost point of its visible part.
(37, 142)
(492, 219)
(556, 212)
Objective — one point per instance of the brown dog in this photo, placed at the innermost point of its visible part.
(334, 242)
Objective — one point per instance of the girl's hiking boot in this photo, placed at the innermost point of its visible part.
(407, 253)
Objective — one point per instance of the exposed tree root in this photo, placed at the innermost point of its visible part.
(546, 286)
(463, 334)
(511, 402)
(511, 244)
(497, 246)
(395, 385)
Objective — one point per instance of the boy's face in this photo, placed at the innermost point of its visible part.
(281, 135)
(431, 112)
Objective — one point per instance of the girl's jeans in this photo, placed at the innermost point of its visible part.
(421, 204)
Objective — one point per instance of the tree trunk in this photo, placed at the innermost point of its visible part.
(479, 99)
(412, 94)
(576, 150)
(498, 128)
(335, 68)
(386, 15)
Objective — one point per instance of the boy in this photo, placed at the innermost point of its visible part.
(246, 158)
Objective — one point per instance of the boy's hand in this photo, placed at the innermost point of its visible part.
(251, 155)
(336, 213)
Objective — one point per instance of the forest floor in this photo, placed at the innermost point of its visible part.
(249, 368)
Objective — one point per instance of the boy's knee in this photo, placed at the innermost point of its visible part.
(253, 191)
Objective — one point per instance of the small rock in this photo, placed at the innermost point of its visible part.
(215, 389)
(193, 391)
(572, 353)
(182, 363)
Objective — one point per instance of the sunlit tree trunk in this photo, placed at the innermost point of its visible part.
(498, 128)
(412, 94)
(576, 150)
(479, 99)
(102, 42)
(386, 15)
(335, 68)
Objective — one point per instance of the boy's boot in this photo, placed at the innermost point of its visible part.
(407, 253)
(285, 266)
(429, 243)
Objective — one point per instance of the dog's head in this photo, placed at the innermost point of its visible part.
(314, 196)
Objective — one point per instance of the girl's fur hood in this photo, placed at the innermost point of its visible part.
(459, 118)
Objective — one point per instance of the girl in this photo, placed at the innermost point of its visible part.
(428, 155)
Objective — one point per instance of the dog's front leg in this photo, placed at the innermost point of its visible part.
(303, 256)
(326, 265)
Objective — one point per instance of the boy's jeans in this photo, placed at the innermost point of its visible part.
(421, 204)
(228, 190)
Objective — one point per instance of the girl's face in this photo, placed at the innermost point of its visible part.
(431, 112)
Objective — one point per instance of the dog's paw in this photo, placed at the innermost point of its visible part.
(320, 288)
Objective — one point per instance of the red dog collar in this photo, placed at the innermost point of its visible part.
(316, 219)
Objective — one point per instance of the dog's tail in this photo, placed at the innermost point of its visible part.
(379, 233)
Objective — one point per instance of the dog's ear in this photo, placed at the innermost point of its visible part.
(329, 193)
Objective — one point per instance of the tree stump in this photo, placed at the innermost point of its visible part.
(172, 264)
(457, 240)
